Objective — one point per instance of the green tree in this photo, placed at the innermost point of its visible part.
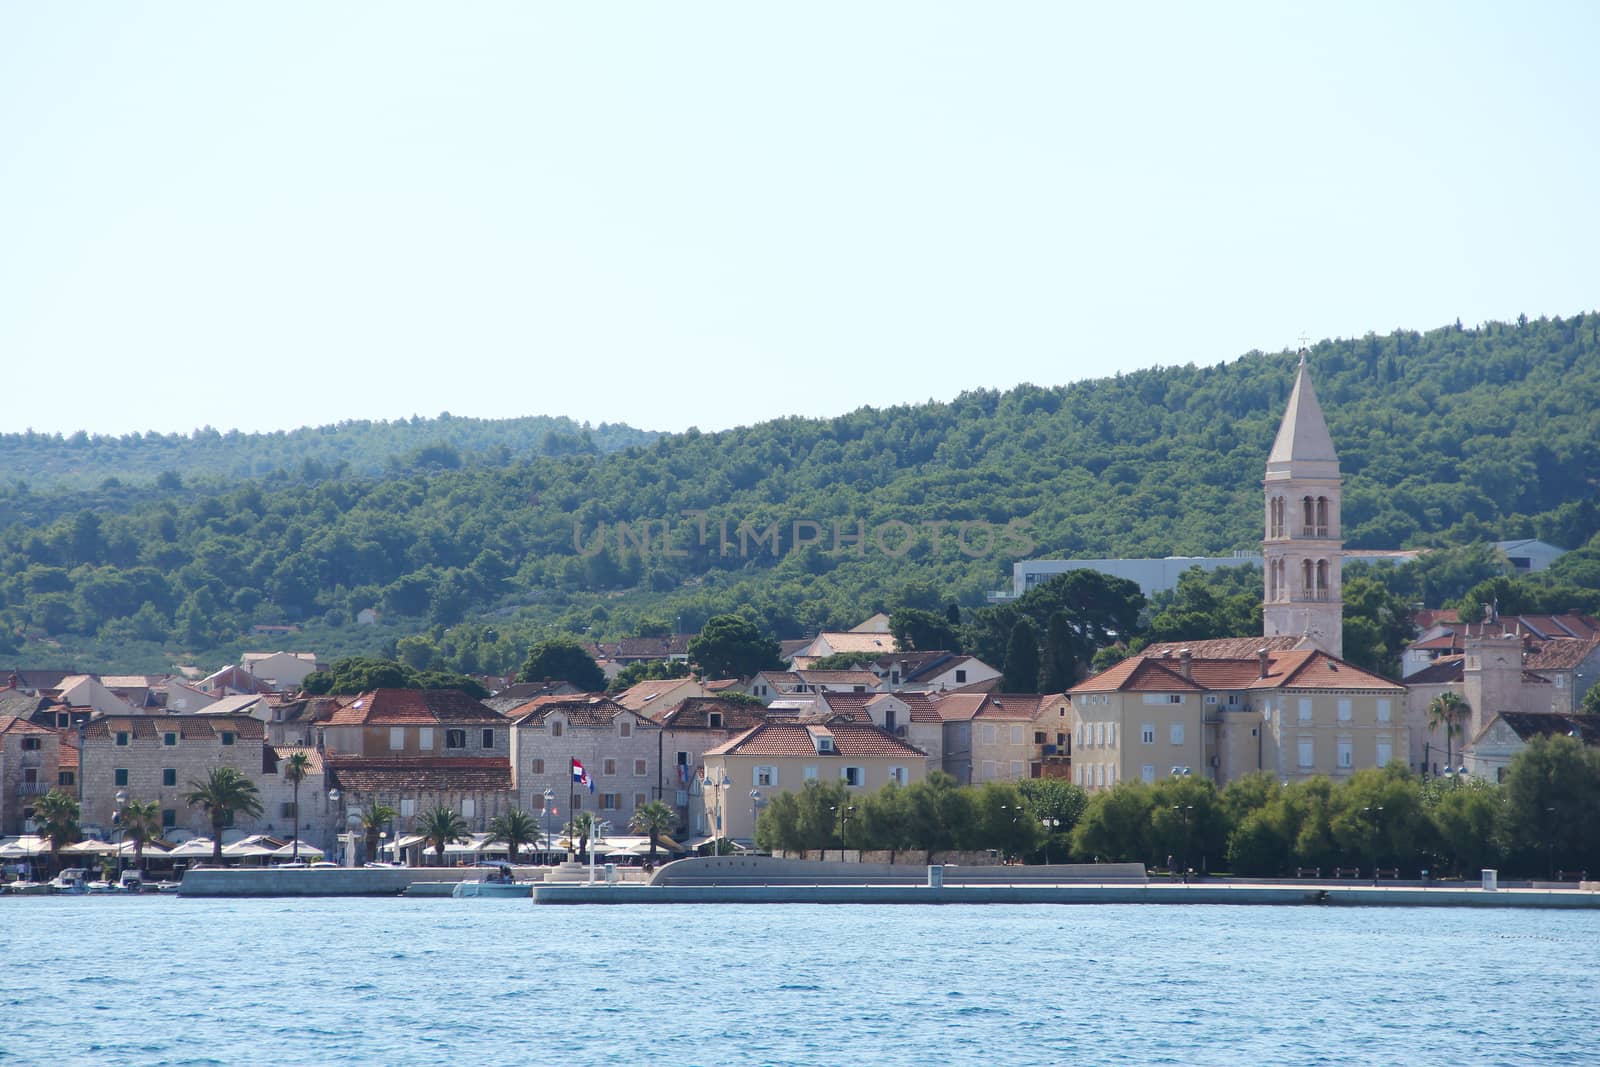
(563, 659)
(516, 828)
(1116, 825)
(223, 794)
(1552, 805)
(56, 815)
(1020, 673)
(141, 824)
(646, 670)
(731, 646)
(440, 827)
(1057, 804)
(654, 818)
(1448, 711)
(939, 814)
(296, 768)
(916, 630)
(1059, 666)
(1466, 823)
(374, 821)
(1188, 822)
(1003, 821)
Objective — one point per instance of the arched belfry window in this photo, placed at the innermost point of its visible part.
(1307, 579)
(1275, 517)
(1322, 579)
(1308, 515)
(1322, 516)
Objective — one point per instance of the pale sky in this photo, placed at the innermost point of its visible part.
(273, 215)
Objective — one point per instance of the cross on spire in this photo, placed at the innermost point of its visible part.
(1304, 341)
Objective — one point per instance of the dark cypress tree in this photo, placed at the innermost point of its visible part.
(1021, 671)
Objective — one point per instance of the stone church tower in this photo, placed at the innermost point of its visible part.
(1304, 546)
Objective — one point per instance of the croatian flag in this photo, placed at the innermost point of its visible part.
(581, 776)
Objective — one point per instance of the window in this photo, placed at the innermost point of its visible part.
(469, 808)
(961, 677)
(1305, 709)
(1038, 737)
(639, 801)
(1148, 772)
(1080, 735)
(1346, 753)
(1163, 698)
(169, 777)
(408, 808)
(852, 776)
(640, 768)
(1345, 713)
(1147, 733)
(455, 739)
(824, 745)
(1383, 709)
(610, 801)
(227, 737)
(227, 818)
(170, 739)
(425, 738)
(810, 773)
(608, 766)
(1176, 733)
(1016, 768)
(488, 739)
(1099, 774)
(1099, 733)
(537, 768)
(169, 818)
(397, 738)
(577, 802)
(555, 727)
(625, 728)
(286, 810)
(986, 770)
(30, 744)
(1111, 774)
(987, 733)
(1385, 751)
(714, 719)
(66, 778)
(899, 775)
(1308, 752)
(765, 776)
(1111, 733)
(122, 738)
(1016, 735)
(1211, 698)
(121, 776)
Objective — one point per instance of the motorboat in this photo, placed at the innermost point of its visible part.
(497, 880)
(72, 880)
(28, 889)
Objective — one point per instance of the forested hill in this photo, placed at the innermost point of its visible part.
(1456, 435)
(309, 454)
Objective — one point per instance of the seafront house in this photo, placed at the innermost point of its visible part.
(157, 756)
(915, 718)
(687, 733)
(620, 750)
(989, 737)
(416, 749)
(29, 768)
(775, 757)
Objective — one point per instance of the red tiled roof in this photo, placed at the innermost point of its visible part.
(579, 710)
(400, 707)
(188, 727)
(67, 754)
(1302, 668)
(694, 714)
(1221, 647)
(1561, 655)
(15, 724)
(851, 740)
(921, 707)
(1138, 673)
(312, 754)
(442, 775)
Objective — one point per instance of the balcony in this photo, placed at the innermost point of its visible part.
(32, 789)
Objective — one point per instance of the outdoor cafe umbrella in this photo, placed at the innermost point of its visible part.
(194, 848)
(25, 848)
(307, 851)
(89, 848)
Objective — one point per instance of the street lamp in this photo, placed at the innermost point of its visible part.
(1184, 811)
(755, 803)
(710, 783)
(844, 814)
(549, 808)
(1049, 823)
(116, 820)
(1373, 813)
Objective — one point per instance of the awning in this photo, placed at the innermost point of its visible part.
(287, 851)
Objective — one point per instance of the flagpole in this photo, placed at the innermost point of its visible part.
(572, 809)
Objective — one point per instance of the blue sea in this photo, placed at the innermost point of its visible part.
(165, 980)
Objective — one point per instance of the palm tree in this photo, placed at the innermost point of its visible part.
(440, 827)
(655, 819)
(516, 828)
(57, 816)
(373, 820)
(1448, 710)
(141, 824)
(582, 827)
(225, 793)
(295, 768)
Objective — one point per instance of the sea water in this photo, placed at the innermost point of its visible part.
(163, 980)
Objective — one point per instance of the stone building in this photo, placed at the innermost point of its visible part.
(620, 749)
(29, 768)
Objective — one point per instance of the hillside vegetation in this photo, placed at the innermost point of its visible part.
(1450, 437)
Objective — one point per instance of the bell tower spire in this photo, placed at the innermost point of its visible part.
(1303, 549)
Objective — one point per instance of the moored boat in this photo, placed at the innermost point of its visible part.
(498, 880)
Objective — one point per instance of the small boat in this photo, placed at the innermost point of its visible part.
(72, 880)
(27, 889)
(497, 881)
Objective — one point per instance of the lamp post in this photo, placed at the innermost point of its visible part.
(755, 817)
(844, 815)
(1184, 811)
(333, 799)
(722, 786)
(1373, 813)
(1049, 823)
(116, 820)
(549, 808)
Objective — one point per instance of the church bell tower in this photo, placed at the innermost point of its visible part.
(1304, 545)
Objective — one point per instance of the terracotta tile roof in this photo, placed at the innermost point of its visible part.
(1286, 669)
(67, 755)
(400, 707)
(1426, 617)
(695, 714)
(920, 706)
(851, 740)
(812, 677)
(1221, 647)
(284, 752)
(1314, 669)
(188, 727)
(15, 724)
(441, 775)
(1561, 655)
(1140, 674)
(639, 697)
(1012, 705)
(582, 710)
(854, 642)
(1448, 670)
(717, 685)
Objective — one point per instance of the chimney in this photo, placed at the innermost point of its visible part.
(1185, 662)
(1262, 655)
